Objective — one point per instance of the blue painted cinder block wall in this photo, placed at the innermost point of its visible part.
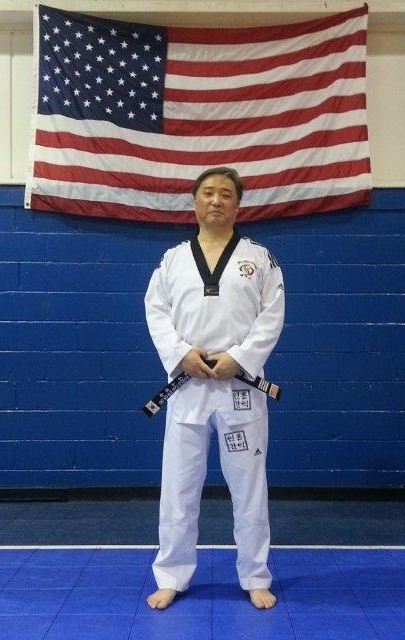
(76, 361)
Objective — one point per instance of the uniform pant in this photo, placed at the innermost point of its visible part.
(242, 451)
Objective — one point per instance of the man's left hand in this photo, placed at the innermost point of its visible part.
(226, 366)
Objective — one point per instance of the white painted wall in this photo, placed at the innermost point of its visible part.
(385, 78)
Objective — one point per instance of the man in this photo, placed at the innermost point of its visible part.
(218, 299)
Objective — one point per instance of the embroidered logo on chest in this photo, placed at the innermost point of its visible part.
(247, 268)
(241, 400)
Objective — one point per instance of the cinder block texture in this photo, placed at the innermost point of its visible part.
(77, 363)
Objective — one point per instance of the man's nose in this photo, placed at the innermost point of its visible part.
(216, 199)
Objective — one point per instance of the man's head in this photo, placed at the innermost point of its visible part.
(217, 193)
(220, 171)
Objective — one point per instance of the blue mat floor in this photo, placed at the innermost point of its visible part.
(91, 592)
(99, 594)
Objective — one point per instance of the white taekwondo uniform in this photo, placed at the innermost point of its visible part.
(239, 308)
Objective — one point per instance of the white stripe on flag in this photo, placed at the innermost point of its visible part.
(105, 162)
(301, 69)
(258, 108)
(252, 51)
(95, 128)
(176, 202)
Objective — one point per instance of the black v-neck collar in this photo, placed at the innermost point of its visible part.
(207, 277)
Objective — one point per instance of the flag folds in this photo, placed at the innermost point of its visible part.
(126, 116)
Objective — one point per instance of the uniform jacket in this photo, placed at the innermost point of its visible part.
(244, 317)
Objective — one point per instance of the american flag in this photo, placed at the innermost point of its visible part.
(128, 115)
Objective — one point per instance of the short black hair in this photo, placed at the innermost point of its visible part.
(232, 174)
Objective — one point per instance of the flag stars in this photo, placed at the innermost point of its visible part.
(75, 47)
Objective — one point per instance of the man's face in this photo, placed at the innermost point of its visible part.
(216, 202)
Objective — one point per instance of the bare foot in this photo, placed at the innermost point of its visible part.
(262, 598)
(161, 599)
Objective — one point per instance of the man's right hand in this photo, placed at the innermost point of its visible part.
(194, 365)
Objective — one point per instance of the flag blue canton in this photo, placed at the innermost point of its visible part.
(96, 69)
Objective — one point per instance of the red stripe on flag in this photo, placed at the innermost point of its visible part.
(276, 89)
(170, 186)
(242, 67)
(308, 174)
(108, 210)
(87, 175)
(247, 214)
(260, 34)
(227, 156)
(305, 207)
(239, 126)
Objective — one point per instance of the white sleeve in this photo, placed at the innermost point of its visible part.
(170, 347)
(263, 335)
